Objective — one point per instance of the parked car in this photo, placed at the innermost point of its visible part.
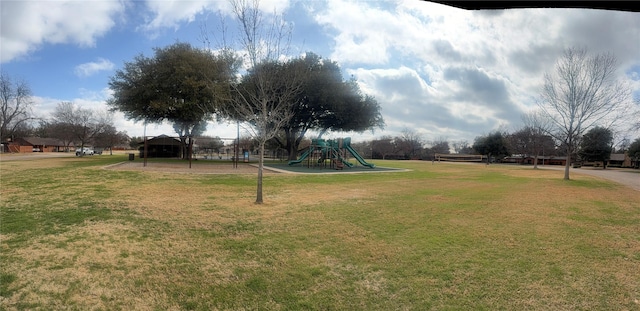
(84, 151)
(97, 151)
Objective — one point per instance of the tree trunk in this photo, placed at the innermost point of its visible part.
(568, 164)
(260, 167)
(183, 147)
(535, 162)
(293, 139)
(292, 147)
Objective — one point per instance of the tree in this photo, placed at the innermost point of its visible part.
(59, 130)
(134, 142)
(15, 106)
(462, 147)
(582, 92)
(210, 144)
(536, 134)
(532, 140)
(383, 147)
(80, 124)
(493, 144)
(189, 129)
(634, 151)
(596, 145)
(326, 102)
(109, 137)
(636, 124)
(262, 98)
(174, 85)
(410, 143)
(440, 145)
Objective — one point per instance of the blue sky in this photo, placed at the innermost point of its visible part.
(442, 72)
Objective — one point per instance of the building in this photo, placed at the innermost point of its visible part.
(529, 160)
(162, 146)
(36, 144)
(620, 160)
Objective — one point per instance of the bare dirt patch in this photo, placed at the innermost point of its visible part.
(196, 168)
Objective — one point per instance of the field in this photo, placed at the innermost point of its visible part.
(77, 236)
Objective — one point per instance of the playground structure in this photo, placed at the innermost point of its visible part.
(330, 153)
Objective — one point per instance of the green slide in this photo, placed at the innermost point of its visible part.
(345, 162)
(358, 157)
(303, 156)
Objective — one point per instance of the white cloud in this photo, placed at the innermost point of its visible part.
(173, 13)
(436, 68)
(91, 68)
(442, 71)
(27, 25)
(363, 34)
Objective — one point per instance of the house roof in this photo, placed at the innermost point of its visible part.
(162, 140)
(617, 157)
(41, 141)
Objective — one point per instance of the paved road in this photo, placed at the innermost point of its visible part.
(627, 177)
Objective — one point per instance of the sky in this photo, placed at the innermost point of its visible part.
(438, 71)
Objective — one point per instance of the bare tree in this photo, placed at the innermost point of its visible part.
(536, 134)
(383, 147)
(582, 91)
(109, 137)
(439, 145)
(83, 124)
(462, 147)
(58, 130)
(15, 106)
(636, 124)
(410, 142)
(262, 99)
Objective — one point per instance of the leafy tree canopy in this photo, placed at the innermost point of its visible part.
(327, 102)
(596, 144)
(493, 144)
(175, 84)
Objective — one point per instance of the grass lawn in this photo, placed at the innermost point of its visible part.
(439, 237)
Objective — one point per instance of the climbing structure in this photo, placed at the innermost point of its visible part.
(330, 153)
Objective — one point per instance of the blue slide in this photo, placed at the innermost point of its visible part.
(303, 156)
(358, 157)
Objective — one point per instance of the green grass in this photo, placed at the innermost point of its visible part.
(439, 237)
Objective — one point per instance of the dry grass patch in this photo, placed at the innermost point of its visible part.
(20, 163)
(439, 237)
(112, 265)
